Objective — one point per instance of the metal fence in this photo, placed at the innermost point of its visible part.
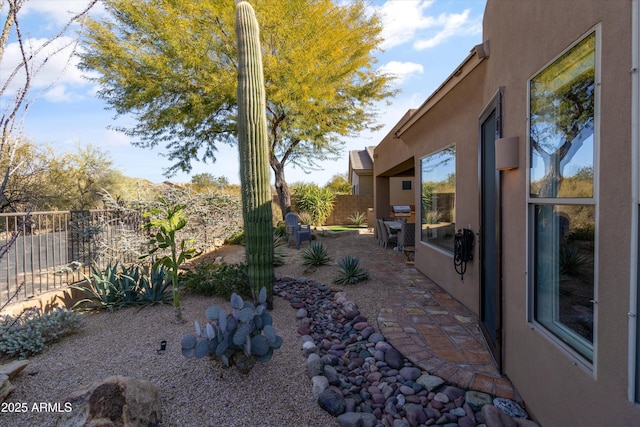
(54, 249)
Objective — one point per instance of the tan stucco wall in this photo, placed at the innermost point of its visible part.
(525, 36)
(365, 185)
(398, 196)
(543, 374)
(439, 128)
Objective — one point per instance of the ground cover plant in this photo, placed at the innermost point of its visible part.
(211, 279)
(33, 330)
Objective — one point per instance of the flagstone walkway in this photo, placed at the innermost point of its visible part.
(435, 331)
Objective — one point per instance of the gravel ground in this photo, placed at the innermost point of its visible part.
(194, 392)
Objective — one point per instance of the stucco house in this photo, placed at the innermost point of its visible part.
(361, 171)
(532, 144)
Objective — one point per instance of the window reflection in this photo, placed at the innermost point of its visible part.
(562, 121)
(438, 198)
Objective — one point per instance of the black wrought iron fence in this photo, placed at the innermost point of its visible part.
(57, 248)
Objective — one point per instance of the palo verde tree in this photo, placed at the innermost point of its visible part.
(172, 65)
(254, 153)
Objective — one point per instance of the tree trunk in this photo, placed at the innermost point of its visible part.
(282, 189)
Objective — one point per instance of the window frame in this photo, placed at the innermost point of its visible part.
(589, 365)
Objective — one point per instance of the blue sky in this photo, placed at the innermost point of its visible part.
(424, 43)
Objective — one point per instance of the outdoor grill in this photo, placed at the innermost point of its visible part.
(401, 210)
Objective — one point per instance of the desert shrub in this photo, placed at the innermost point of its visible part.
(236, 239)
(316, 201)
(305, 218)
(350, 271)
(218, 280)
(585, 233)
(280, 230)
(29, 333)
(316, 255)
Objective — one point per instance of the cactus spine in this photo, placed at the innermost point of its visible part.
(254, 152)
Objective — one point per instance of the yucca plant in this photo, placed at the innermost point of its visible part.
(316, 255)
(358, 218)
(350, 271)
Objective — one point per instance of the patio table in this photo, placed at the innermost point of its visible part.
(394, 226)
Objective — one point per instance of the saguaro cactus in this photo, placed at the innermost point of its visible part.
(254, 153)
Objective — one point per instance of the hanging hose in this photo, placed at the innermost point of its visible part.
(462, 251)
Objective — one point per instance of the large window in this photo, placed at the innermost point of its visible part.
(438, 198)
(562, 202)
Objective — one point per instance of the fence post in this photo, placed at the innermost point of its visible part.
(79, 239)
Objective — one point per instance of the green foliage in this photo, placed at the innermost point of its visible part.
(221, 280)
(350, 271)
(316, 255)
(29, 333)
(339, 184)
(279, 250)
(305, 218)
(358, 218)
(280, 230)
(153, 60)
(166, 222)
(49, 181)
(584, 233)
(316, 201)
(240, 338)
(118, 286)
(236, 239)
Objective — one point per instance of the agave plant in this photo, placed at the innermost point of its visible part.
(316, 255)
(279, 250)
(107, 289)
(350, 271)
(156, 288)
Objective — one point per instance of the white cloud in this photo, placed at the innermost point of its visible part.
(451, 24)
(401, 20)
(402, 70)
(58, 12)
(53, 69)
(408, 20)
(114, 138)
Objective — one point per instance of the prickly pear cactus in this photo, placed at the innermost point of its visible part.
(254, 153)
(241, 338)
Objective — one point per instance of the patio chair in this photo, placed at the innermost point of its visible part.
(387, 237)
(407, 234)
(377, 233)
(296, 232)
